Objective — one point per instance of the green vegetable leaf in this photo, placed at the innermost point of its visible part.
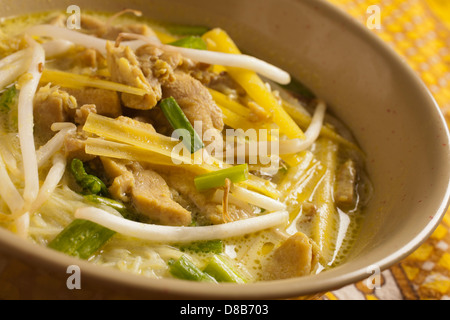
(81, 238)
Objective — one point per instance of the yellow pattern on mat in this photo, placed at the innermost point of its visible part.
(419, 31)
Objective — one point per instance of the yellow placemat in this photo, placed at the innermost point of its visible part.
(419, 30)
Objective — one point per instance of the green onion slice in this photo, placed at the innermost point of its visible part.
(179, 121)
(218, 178)
(191, 42)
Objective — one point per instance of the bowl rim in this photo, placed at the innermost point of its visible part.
(287, 288)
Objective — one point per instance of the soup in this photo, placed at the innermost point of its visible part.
(164, 151)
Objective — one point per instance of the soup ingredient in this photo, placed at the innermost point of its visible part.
(89, 183)
(217, 179)
(218, 40)
(175, 234)
(311, 134)
(181, 124)
(195, 101)
(346, 184)
(296, 257)
(25, 120)
(219, 268)
(119, 206)
(81, 238)
(183, 30)
(8, 99)
(185, 269)
(192, 42)
(76, 81)
(105, 105)
(211, 246)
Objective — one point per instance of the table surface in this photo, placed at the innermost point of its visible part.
(419, 31)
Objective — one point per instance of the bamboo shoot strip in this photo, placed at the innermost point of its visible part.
(122, 132)
(111, 149)
(304, 120)
(105, 148)
(218, 40)
(324, 224)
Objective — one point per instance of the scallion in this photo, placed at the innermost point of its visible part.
(221, 270)
(179, 121)
(183, 30)
(185, 269)
(218, 178)
(192, 42)
(81, 238)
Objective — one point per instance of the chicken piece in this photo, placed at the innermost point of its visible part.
(195, 101)
(146, 190)
(74, 147)
(125, 68)
(90, 58)
(345, 184)
(82, 113)
(137, 123)
(107, 102)
(152, 197)
(296, 257)
(208, 211)
(51, 105)
(156, 63)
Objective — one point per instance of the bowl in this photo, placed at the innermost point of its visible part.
(390, 111)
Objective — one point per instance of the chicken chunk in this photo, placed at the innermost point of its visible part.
(51, 105)
(296, 257)
(146, 190)
(195, 101)
(74, 147)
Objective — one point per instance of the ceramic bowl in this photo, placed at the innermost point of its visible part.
(390, 111)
